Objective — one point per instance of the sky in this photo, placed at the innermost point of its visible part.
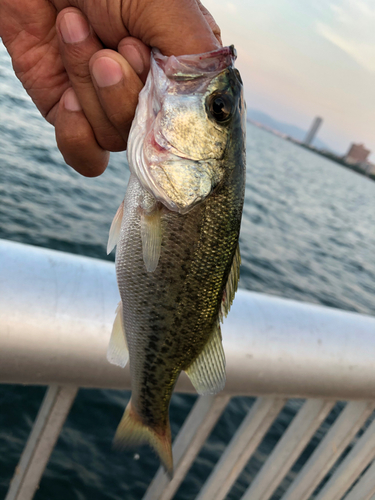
(301, 58)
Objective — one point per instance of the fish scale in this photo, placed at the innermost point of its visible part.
(175, 259)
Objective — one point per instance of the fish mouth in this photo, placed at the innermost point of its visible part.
(192, 66)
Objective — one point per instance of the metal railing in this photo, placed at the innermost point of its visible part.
(57, 309)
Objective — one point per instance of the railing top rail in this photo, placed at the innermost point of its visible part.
(57, 309)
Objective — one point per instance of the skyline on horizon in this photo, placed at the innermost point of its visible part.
(302, 60)
(258, 116)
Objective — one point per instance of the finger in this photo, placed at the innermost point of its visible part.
(117, 86)
(103, 16)
(78, 44)
(137, 54)
(175, 27)
(76, 140)
(211, 21)
(27, 29)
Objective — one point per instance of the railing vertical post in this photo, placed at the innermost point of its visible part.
(351, 467)
(46, 430)
(288, 449)
(365, 488)
(339, 436)
(243, 444)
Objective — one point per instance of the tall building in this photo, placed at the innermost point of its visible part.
(357, 153)
(310, 136)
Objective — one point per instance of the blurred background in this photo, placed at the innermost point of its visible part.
(304, 59)
(307, 231)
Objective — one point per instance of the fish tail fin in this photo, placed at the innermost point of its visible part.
(132, 431)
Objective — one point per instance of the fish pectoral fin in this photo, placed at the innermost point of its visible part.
(117, 352)
(132, 432)
(114, 232)
(151, 235)
(231, 286)
(207, 372)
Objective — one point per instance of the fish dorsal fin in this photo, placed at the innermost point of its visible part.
(207, 372)
(231, 286)
(117, 352)
(151, 235)
(114, 232)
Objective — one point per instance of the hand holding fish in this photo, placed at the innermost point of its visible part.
(84, 71)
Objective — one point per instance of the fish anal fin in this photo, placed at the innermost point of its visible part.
(114, 232)
(133, 432)
(207, 372)
(231, 286)
(117, 352)
(151, 234)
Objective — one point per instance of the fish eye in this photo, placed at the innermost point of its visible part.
(220, 106)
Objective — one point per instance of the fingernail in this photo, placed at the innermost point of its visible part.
(134, 58)
(71, 101)
(74, 28)
(106, 72)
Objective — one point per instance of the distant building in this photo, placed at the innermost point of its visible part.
(313, 131)
(367, 167)
(357, 153)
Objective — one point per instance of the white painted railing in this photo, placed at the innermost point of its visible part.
(56, 314)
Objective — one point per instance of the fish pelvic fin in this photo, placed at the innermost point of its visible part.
(151, 234)
(132, 432)
(117, 352)
(114, 232)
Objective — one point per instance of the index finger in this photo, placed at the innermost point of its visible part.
(175, 27)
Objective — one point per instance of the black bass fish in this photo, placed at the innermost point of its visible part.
(177, 231)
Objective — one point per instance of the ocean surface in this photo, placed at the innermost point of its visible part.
(308, 233)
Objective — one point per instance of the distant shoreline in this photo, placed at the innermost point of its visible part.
(325, 154)
(336, 159)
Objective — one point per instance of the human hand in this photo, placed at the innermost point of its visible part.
(84, 63)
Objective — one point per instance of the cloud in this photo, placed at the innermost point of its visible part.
(352, 29)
